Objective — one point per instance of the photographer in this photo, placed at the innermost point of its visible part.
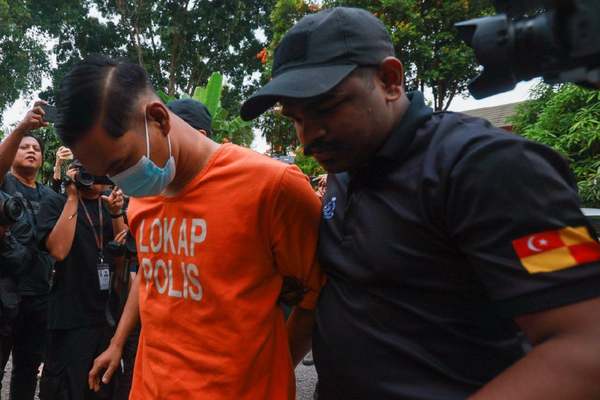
(76, 229)
(22, 153)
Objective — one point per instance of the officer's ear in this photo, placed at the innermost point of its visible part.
(391, 77)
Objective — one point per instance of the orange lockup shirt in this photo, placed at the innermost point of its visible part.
(212, 261)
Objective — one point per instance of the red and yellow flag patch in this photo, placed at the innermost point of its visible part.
(555, 250)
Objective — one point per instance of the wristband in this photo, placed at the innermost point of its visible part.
(119, 215)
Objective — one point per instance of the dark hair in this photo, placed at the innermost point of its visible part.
(37, 139)
(99, 89)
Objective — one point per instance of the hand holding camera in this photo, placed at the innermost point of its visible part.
(71, 187)
(83, 179)
(34, 118)
(63, 154)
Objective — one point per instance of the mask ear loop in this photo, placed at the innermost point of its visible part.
(147, 136)
(169, 140)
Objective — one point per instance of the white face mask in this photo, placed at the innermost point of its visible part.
(145, 178)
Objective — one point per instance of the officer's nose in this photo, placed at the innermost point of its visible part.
(309, 130)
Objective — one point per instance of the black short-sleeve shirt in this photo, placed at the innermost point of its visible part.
(431, 251)
(75, 298)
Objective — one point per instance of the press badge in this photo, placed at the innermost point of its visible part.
(103, 276)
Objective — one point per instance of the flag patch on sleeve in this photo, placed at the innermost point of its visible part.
(555, 250)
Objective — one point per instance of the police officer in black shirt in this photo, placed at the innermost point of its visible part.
(442, 236)
(76, 229)
(23, 154)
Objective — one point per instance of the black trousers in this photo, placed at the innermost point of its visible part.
(69, 358)
(27, 343)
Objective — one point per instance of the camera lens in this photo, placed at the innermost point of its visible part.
(11, 211)
(84, 179)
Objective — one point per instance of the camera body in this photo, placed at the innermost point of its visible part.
(11, 210)
(50, 113)
(554, 39)
(85, 180)
(116, 249)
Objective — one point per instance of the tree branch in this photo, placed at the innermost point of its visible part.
(136, 28)
(450, 98)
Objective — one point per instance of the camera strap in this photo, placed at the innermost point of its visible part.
(99, 237)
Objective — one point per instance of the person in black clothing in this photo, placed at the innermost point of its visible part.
(23, 154)
(76, 229)
(441, 236)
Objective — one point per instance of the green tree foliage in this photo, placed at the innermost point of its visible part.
(308, 165)
(179, 42)
(22, 57)
(225, 127)
(426, 41)
(51, 145)
(567, 118)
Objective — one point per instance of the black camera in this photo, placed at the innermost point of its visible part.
(11, 210)
(554, 39)
(50, 113)
(85, 180)
(117, 249)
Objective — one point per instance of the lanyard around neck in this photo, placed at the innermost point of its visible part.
(99, 237)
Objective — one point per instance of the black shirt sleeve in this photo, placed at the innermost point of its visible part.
(505, 194)
(50, 209)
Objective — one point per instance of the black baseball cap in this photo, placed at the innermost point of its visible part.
(317, 53)
(193, 112)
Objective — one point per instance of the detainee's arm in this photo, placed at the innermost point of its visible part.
(107, 363)
(513, 210)
(300, 325)
(294, 235)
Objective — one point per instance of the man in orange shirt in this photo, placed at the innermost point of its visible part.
(217, 227)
